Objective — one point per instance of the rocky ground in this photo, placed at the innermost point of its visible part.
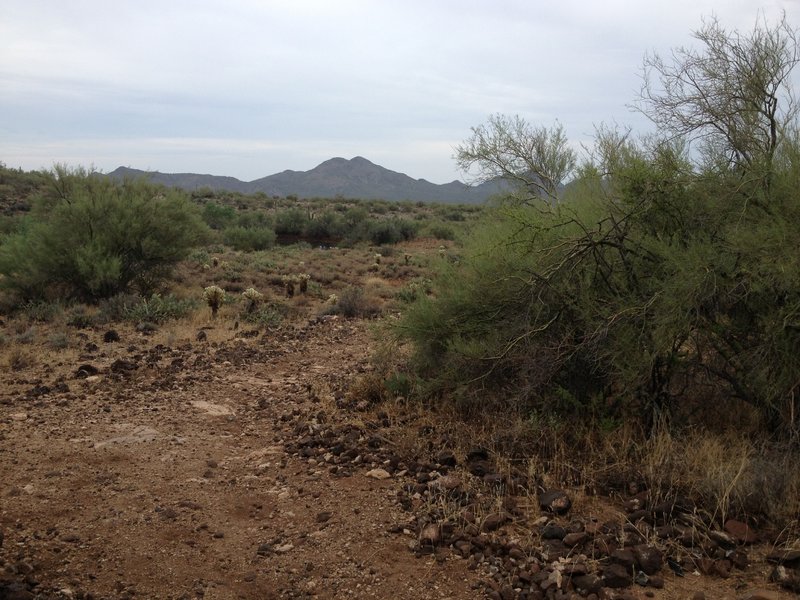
(237, 464)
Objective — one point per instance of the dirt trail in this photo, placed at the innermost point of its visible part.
(165, 475)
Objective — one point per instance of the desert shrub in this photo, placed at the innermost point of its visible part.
(352, 303)
(441, 232)
(92, 238)
(79, 318)
(158, 309)
(248, 239)
(325, 226)
(218, 216)
(265, 316)
(656, 277)
(42, 311)
(291, 222)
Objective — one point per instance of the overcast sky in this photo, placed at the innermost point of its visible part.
(248, 88)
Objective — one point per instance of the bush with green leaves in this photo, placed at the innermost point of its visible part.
(91, 238)
(657, 278)
(248, 239)
(158, 309)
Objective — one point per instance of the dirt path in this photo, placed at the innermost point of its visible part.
(165, 475)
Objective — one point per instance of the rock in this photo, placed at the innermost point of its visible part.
(284, 548)
(378, 474)
(553, 531)
(264, 549)
(446, 458)
(122, 366)
(477, 453)
(110, 336)
(741, 532)
(201, 336)
(624, 557)
(85, 371)
(445, 483)
(790, 558)
(479, 468)
(324, 517)
(723, 539)
(648, 559)
(698, 596)
(555, 501)
(786, 578)
(15, 591)
(431, 535)
(591, 584)
(616, 576)
(493, 521)
(575, 539)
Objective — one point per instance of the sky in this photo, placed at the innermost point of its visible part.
(248, 88)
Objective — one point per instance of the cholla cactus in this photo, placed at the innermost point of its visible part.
(378, 256)
(332, 299)
(442, 251)
(407, 258)
(253, 297)
(214, 296)
(303, 279)
(289, 282)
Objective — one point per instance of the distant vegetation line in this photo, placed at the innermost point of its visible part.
(356, 178)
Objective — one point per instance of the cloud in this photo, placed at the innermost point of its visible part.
(279, 85)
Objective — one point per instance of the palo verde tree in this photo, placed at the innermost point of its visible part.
(732, 94)
(534, 160)
(89, 237)
(658, 276)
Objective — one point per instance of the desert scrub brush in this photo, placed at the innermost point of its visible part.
(253, 298)
(214, 296)
(303, 280)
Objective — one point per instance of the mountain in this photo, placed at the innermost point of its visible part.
(354, 178)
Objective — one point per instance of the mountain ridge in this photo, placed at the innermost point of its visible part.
(357, 178)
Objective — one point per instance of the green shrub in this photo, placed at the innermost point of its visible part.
(92, 238)
(159, 309)
(218, 216)
(291, 222)
(248, 240)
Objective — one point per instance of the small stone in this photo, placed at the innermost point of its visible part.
(431, 535)
(575, 539)
(378, 474)
(553, 531)
(446, 483)
(446, 458)
(624, 557)
(323, 517)
(648, 558)
(493, 521)
(555, 501)
(616, 576)
(741, 532)
(284, 548)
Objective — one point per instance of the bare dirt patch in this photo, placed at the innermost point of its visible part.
(210, 470)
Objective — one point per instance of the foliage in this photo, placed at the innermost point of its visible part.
(535, 159)
(248, 239)
(90, 238)
(653, 282)
(158, 309)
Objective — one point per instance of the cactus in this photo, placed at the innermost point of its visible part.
(303, 279)
(253, 297)
(214, 296)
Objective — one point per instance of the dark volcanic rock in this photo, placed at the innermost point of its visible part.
(648, 559)
(616, 576)
(555, 501)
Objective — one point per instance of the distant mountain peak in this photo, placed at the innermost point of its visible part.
(357, 178)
